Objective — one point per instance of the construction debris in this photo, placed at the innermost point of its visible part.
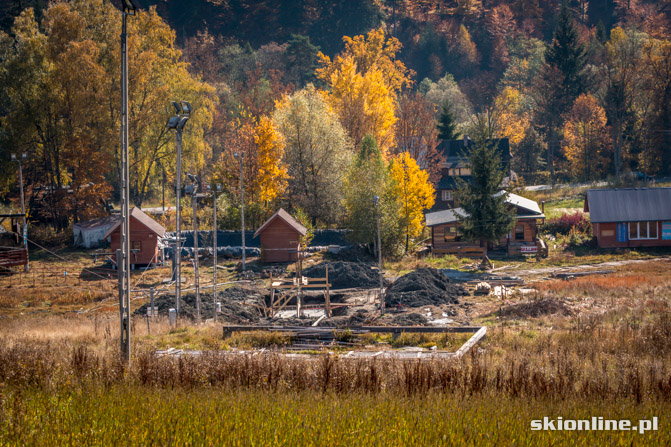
(346, 275)
(535, 308)
(482, 288)
(238, 304)
(423, 287)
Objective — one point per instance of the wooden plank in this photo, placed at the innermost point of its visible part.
(472, 341)
(374, 329)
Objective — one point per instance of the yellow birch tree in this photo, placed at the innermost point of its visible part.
(272, 176)
(414, 191)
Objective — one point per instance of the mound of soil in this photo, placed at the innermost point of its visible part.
(535, 308)
(346, 275)
(423, 287)
(238, 305)
(409, 319)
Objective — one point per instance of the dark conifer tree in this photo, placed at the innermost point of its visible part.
(487, 218)
(567, 54)
(447, 126)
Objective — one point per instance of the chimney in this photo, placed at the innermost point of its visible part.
(465, 140)
(543, 206)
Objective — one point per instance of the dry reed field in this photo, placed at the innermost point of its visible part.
(62, 383)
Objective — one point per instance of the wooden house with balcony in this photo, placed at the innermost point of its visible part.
(456, 166)
(521, 240)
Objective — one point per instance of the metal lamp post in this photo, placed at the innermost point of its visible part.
(241, 156)
(24, 230)
(215, 189)
(376, 200)
(193, 191)
(177, 122)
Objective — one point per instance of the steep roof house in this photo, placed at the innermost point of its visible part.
(456, 165)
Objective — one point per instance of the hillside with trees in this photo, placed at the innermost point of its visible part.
(582, 89)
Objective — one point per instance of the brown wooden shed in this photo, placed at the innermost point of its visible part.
(144, 235)
(280, 236)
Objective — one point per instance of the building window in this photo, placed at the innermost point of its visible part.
(519, 232)
(642, 230)
(447, 196)
(451, 172)
(136, 245)
(452, 234)
(465, 171)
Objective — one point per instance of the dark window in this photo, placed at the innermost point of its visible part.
(136, 245)
(519, 232)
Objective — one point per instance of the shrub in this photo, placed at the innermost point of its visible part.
(568, 223)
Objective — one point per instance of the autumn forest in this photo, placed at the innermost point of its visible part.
(331, 102)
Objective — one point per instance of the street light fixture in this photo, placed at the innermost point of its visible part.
(177, 123)
(241, 156)
(24, 230)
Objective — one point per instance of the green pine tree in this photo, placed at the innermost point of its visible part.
(567, 54)
(447, 125)
(487, 218)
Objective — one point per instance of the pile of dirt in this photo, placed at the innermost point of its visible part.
(409, 319)
(535, 308)
(238, 305)
(423, 287)
(346, 275)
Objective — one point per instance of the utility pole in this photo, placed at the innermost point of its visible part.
(194, 204)
(242, 206)
(24, 230)
(123, 258)
(376, 199)
(215, 189)
(177, 122)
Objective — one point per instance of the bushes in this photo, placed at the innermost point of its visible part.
(566, 223)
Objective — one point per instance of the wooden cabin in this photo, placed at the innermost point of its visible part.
(12, 252)
(455, 166)
(280, 236)
(144, 235)
(630, 217)
(521, 240)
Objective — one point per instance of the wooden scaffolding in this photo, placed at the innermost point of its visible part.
(294, 288)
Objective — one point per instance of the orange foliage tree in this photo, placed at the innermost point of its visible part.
(587, 146)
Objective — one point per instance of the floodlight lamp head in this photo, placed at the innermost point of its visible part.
(173, 122)
(24, 156)
(129, 6)
(376, 199)
(182, 122)
(13, 157)
(186, 107)
(178, 108)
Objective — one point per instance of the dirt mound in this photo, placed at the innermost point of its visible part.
(536, 308)
(238, 305)
(423, 287)
(409, 319)
(346, 275)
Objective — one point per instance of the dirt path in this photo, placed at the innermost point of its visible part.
(545, 271)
